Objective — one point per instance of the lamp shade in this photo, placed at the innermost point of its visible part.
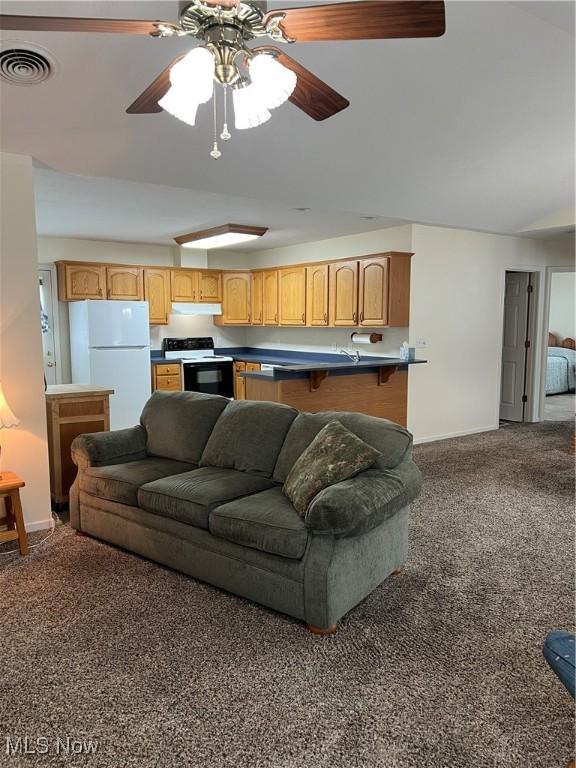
(7, 418)
(273, 81)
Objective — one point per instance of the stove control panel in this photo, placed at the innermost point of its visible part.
(189, 344)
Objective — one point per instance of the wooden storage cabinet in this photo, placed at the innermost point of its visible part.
(257, 298)
(373, 292)
(292, 296)
(240, 381)
(125, 283)
(317, 295)
(157, 294)
(71, 410)
(270, 298)
(81, 281)
(196, 286)
(167, 377)
(343, 288)
(236, 299)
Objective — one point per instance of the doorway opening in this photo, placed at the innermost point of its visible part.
(560, 370)
(519, 331)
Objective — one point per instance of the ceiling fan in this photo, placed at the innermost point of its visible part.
(260, 78)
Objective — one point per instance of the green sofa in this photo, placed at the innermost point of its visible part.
(197, 486)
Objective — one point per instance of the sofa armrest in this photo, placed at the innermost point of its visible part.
(97, 449)
(361, 503)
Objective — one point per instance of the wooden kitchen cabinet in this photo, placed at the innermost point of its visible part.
(81, 281)
(71, 410)
(236, 304)
(183, 285)
(125, 283)
(157, 294)
(292, 296)
(373, 287)
(270, 298)
(317, 295)
(196, 286)
(257, 298)
(343, 290)
(167, 377)
(239, 381)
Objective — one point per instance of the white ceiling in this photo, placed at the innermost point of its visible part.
(473, 129)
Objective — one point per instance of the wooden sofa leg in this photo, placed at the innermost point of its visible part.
(571, 764)
(80, 533)
(396, 572)
(331, 630)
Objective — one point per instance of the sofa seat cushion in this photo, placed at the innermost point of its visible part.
(120, 482)
(190, 496)
(266, 521)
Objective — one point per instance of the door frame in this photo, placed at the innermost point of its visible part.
(537, 320)
(543, 360)
(56, 317)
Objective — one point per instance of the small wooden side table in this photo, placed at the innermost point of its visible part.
(10, 485)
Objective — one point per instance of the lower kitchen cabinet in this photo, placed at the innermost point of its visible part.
(239, 381)
(72, 410)
(167, 377)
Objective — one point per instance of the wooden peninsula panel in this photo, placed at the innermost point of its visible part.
(71, 410)
(361, 392)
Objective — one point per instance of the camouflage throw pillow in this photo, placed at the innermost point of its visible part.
(334, 455)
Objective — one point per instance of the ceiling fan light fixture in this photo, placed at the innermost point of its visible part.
(221, 237)
(194, 75)
(178, 104)
(274, 82)
(249, 110)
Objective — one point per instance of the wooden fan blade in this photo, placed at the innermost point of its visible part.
(311, 95)
(67, 24)
(147, 102)
(369, 20)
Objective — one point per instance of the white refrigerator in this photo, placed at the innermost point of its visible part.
(110, 347)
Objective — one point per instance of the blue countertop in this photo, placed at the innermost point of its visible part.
(296, 363)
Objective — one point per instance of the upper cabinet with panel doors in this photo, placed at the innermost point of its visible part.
(78, 281)
(317, 295)
(343, 290)
(236, 302)
(270, 297)
(257, 298)
(196, 286)
(125, 283)
(373, 292)
(292, 296)
(157, 294)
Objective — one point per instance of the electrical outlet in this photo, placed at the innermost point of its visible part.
(420, 344)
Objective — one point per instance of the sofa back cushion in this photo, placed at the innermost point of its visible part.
(178, 424)
(391, 440)
(248, 436)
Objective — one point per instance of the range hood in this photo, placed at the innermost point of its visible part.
(195, 308)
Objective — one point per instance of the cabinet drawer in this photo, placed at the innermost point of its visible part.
(165, 370)
(252, 366)
(240, 365)
(171, 383)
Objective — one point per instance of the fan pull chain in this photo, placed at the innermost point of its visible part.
(225, 135)
(215, 151)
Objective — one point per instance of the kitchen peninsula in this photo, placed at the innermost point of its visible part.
(374, 386)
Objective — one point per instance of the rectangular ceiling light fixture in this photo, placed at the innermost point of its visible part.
(220, 237)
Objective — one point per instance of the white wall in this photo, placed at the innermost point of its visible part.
(562, 321)
(456, 306)
(25, 448)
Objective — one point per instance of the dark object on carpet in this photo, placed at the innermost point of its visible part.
(559, 652)
(440, 667)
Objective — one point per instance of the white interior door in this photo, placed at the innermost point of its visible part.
(47, 324)
(514, 349)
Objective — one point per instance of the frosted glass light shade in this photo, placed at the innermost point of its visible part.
(192, 83)
(7, 418)
(273, 81)
(249, 111)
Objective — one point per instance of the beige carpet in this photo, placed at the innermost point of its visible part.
(559, 407)
(440, 667)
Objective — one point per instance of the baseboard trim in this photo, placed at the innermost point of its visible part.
(448, 435)
(39, 525)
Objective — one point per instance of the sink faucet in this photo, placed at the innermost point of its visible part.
(354, 356)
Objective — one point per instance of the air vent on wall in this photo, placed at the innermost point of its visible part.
(25, 63)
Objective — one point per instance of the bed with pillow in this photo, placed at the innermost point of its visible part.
(560, 366)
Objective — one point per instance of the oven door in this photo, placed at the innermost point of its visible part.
(212, 378)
